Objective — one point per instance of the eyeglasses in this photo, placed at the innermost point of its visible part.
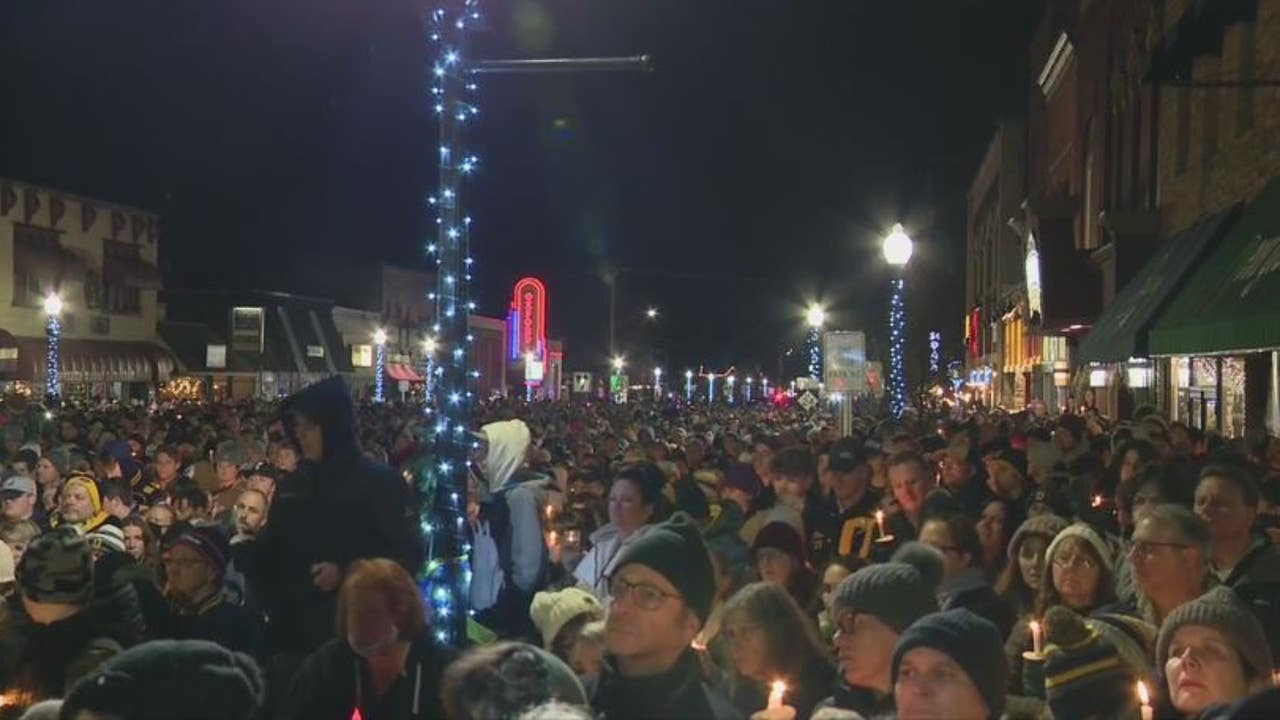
(1147, 549)
(644, 595)
(1075, 562)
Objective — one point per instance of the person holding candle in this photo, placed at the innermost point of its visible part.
(911, 481)
(1024, 573)
(872, 607)
(661, 594)
(1085, 675)
(1212, 650)
(769, 639)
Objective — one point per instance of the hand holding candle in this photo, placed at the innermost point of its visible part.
(884, 537)
(1145, 698)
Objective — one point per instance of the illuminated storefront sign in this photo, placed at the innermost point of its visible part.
(528, 319)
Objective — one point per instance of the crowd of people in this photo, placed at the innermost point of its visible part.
(642, 560)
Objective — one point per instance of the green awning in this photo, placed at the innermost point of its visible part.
(1120, 332)
(1231, 303)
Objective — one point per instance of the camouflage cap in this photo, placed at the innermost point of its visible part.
(57, 568)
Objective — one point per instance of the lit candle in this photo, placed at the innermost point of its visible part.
(1037, 637)
(775, 695)
(1145, 698)
(1275, 677)
(552, 539)
(551, 511)
(1097, 501)
(880, 522)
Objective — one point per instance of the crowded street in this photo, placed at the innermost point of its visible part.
(740, 361)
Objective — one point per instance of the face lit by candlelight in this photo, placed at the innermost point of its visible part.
(1203, 669)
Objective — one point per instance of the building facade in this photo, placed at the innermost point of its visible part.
(100, 259)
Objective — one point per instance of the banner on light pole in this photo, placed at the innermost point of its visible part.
(845, 366)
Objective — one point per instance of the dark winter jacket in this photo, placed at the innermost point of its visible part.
(216, 620)
(970, 590)
(679, 693)
(118, 569)
(867, 703)
(344, 508)
(1256, 580)
(325, 687)
(44, 661)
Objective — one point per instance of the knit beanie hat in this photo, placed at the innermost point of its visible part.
(893, 593)
(1222, 610)
(972, 641)
(1084, 675)
(675, 549)
(60, 458)
(1046, 526)
(551, 611)
(171, 680)
(926, 559)
(90, 485)
(107, 537)
(209, 542)
(57, 568)
(1134, 638)
(1086, 533)
(781, 536)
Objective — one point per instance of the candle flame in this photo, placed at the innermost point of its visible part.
(1034, 625)
(879, 515)
(1097, 501)
(1143, 695)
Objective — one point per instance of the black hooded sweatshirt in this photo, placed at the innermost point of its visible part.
(343, 508)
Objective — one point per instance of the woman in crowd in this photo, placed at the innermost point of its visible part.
(771, 639)
(778, 557)
(137, 540)
(836, 571)
(1211, 651)
(1024, 573)
(999, 518)
(1081, 571)
(383, 663)
(635, 503)
(560, 617)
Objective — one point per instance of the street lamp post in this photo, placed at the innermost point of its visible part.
(379, 365)
(53, 333)
(711, 388)
(688, 386)
(748, 391)
(765, 383)
(816, 316)
(897, 252)
(618, 364)
(657, 384)
(730, 380)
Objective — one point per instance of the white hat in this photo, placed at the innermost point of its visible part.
(108, 537)
(6, 563)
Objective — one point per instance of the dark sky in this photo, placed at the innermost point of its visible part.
(752, 171)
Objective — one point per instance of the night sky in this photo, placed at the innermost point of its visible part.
(753, 170)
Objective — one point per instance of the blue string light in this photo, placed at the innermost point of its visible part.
(442, 480)
(935, 352)
(813, 344)
(897, 338)
(379, 370)
(54, 335)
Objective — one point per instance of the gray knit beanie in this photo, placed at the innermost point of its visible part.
(1086, 533)
(1046, 526)
(1222, 610)
(926, 559)
(893, 593)
(972, 641)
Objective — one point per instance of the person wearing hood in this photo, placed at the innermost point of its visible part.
(509, 524)
(338, 506)
(118, 461)
(81, 504)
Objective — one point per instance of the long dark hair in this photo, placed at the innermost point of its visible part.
(792, 646)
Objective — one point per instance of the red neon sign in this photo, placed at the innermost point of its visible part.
(530, 303)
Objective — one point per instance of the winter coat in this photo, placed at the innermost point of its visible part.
(679, 693)
(44, 661)
(600, 561)
(1256, 580)
(329, 681)
(219, 621)
(343, 508)
(969, 589)
(866, 702)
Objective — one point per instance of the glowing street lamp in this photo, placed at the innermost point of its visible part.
(618, 363)
(380, 365)
(651, 313)
(748, 390)
(711, 388)
(765, 382)
(53, 333)
(688, 386)
(657, 383)
(731, 380)
(897, 252)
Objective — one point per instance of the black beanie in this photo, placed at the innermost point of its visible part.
(675, 550)
(893, 593)
(171, 680)
(972, 641)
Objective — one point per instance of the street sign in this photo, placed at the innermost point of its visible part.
(807, 400)
(844, 364)
(582, 382)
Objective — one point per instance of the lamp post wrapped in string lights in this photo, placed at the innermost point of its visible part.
(897, 252)
(53, 335)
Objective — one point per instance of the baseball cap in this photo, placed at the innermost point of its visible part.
(846, 454)
(16, 485)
